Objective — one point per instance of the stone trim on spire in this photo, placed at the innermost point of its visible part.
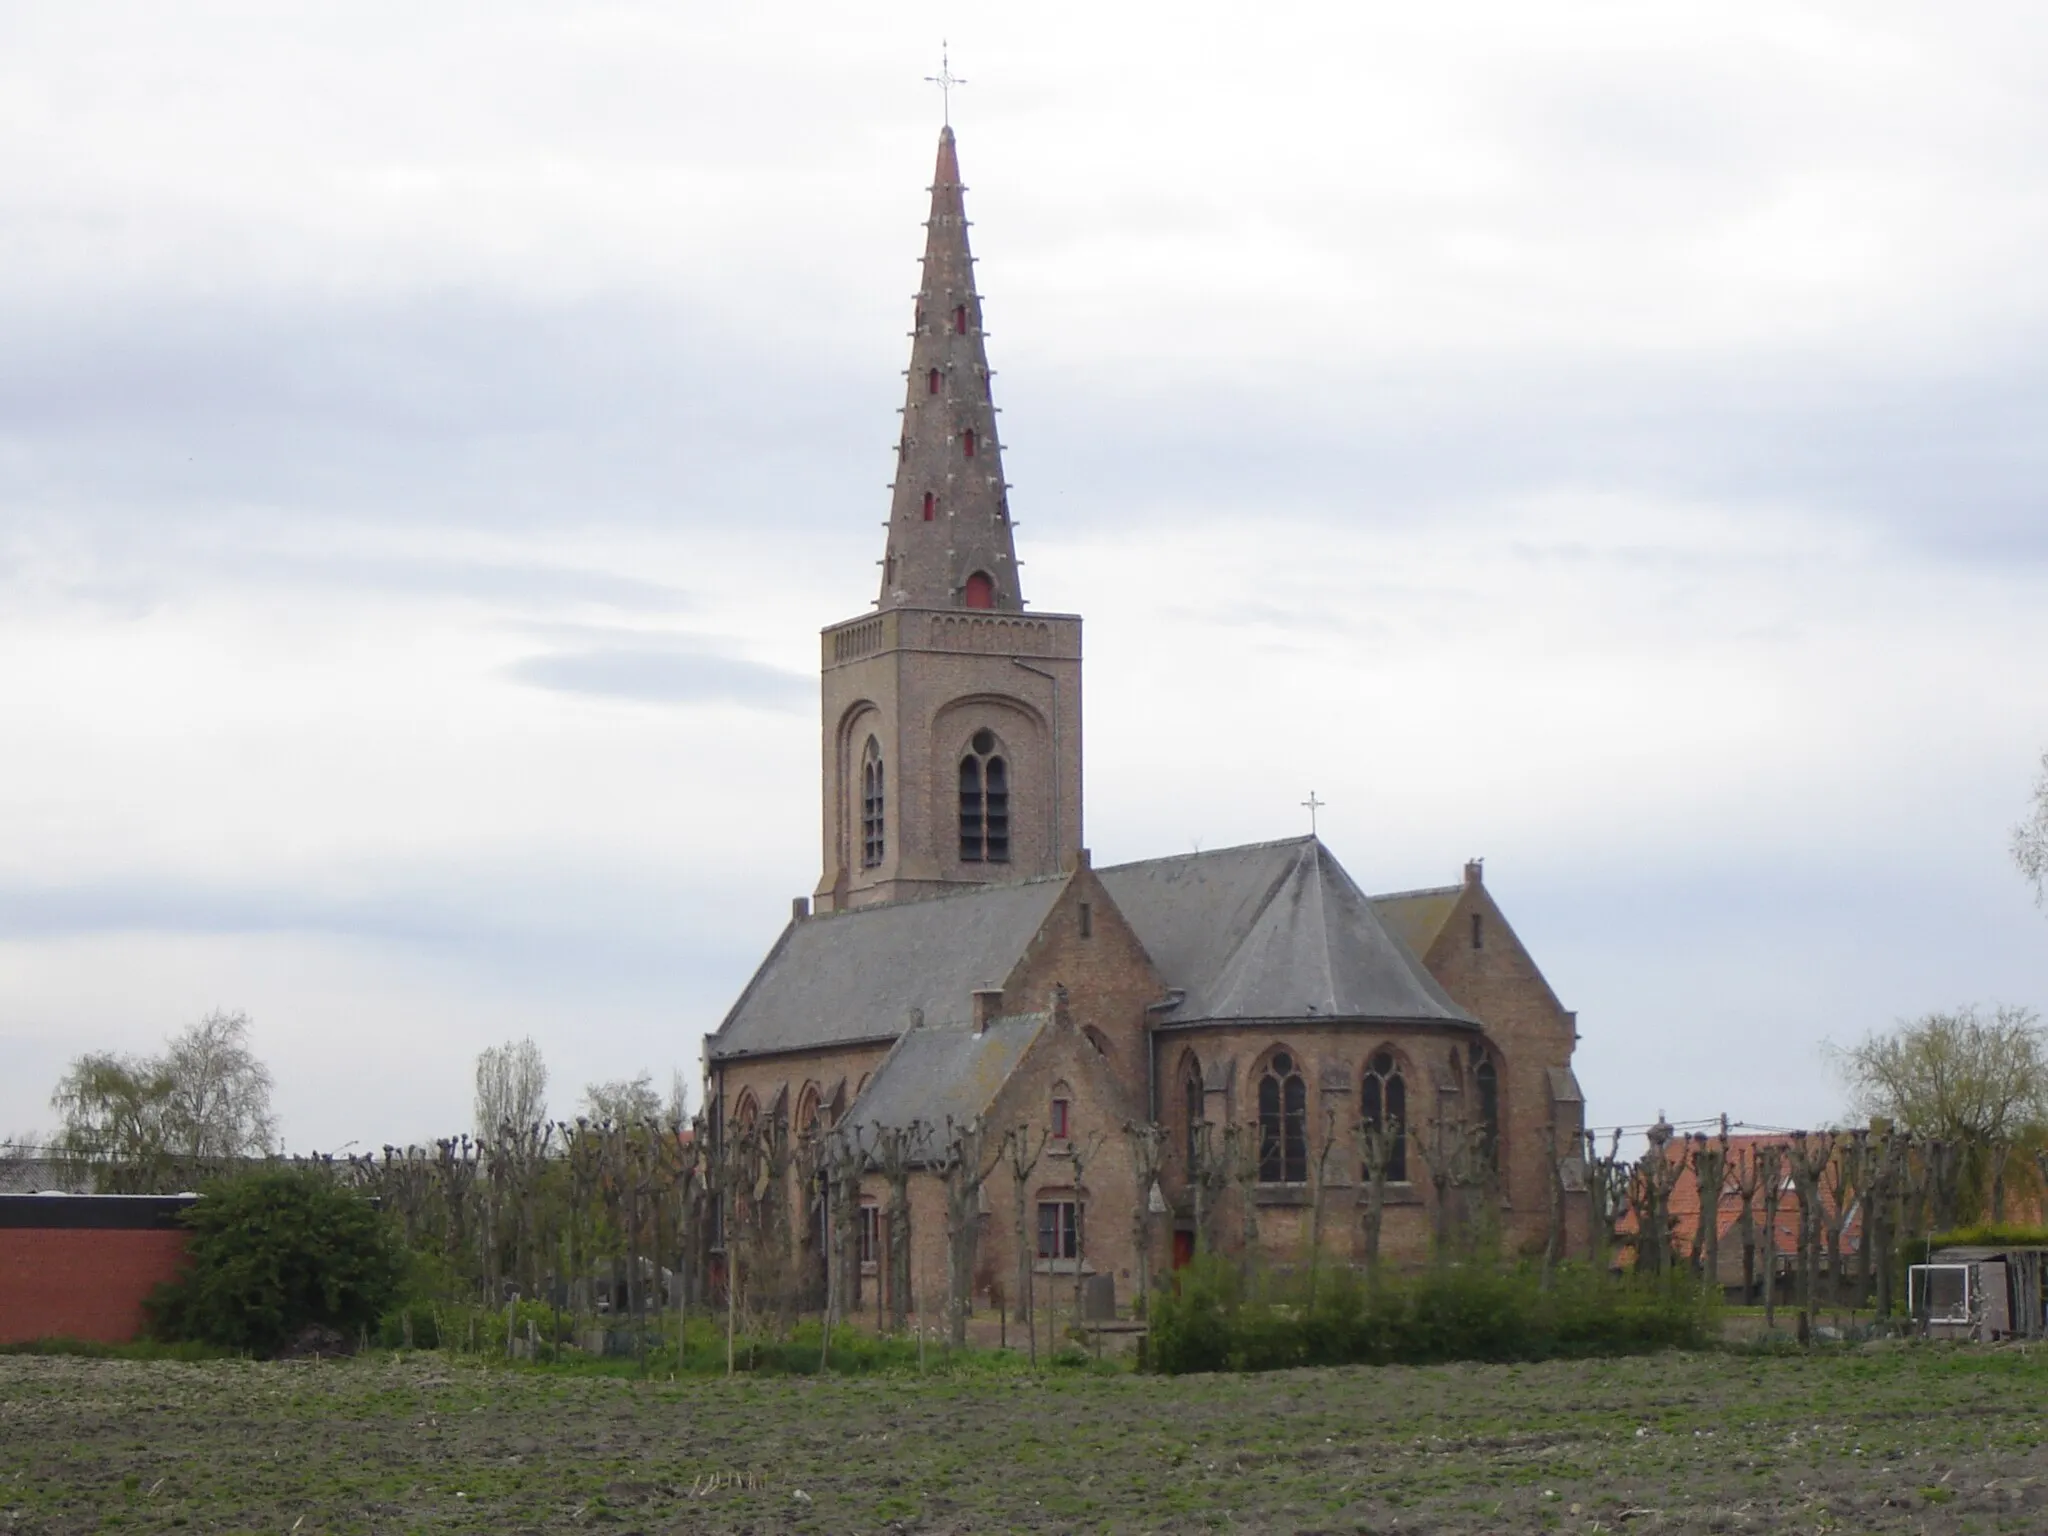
(950, 544)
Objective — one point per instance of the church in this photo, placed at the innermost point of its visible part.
(962, 961)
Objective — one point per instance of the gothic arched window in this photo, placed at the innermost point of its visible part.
(1383, 1101)
(967, 442)
(873, 806)
(1192, 1097)
(984, 802)
(1283, 1122)
(932, 382)
(931, 505)
(980, 591)
(1486, 1079)
(960, 319)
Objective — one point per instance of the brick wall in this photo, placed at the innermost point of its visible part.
(78, 1267)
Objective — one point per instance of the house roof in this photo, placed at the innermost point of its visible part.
(938, 1072)
(1417, 917)
(1273, 931)
(846, 976)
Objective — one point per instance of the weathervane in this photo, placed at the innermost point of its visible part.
(945, 80)
(1312, 805)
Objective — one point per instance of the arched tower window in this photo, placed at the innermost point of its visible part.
(1486, 1080)
(980, 591)
(931, 505)
(931, 382)
(967, 442)
(874, 801)
(1383, 1102)
(1283, 1122)
(960, 319)
(984, 802)
(1192, 1101)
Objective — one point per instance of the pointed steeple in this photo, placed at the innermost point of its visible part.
(949, 524)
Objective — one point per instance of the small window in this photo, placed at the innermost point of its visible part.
(868, 1235)
(960, 319)
(980, 591)
(1087, 921)
(1192, 1103)
(1478, 929)
(967, 442)
(931, 505)
(1059, 1229)
(1061, 1120)
(931, 382)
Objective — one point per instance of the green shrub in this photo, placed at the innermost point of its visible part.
(276, 1252)
(1457, 1312)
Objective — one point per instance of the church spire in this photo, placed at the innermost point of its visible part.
(949, 524)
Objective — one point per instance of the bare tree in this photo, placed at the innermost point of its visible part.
(1209, 1173)
(1770, 1161)
(1807, 1159)
(1148, 1156)
(1744, 1181)
(2030, 839)
(511, 1087)
(1655, 1176)
(1023, 1153)
(1379, 1145)
(1710, 1177)
(1607, 1183)
(897, 1149)
(965, 1162)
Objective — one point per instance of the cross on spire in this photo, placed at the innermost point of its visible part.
(945, 80)
(1312, 805)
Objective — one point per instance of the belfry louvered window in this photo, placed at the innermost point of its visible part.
(984, 802)
(1283, 1122)
(873, 806)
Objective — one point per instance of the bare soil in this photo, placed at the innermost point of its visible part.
(1882, 1438)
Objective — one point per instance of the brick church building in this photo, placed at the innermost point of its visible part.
(962, 959)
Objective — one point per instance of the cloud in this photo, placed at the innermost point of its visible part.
(671, 674)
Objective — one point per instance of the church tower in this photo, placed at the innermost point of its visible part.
(952, 717)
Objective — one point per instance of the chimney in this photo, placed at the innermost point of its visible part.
(1475, 871)
(1083, 859)
(799, 908)
(988, 1006)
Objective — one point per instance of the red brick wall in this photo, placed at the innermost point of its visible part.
(81, 1283)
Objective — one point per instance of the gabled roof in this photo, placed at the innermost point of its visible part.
(1417, 917)
(1273, 931)
(945, 1071)
(848, 976)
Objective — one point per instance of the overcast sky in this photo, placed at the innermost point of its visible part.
(1605, 438)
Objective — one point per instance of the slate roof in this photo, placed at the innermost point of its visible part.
(945, 1070)
(1273, 931)
(851, 976)
(1417, 917)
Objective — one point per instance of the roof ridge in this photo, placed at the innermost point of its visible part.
(985, 889)
(1316, 851)
(1420, 890)
(1207, 853)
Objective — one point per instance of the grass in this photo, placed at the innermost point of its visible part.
(1884, 1438)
